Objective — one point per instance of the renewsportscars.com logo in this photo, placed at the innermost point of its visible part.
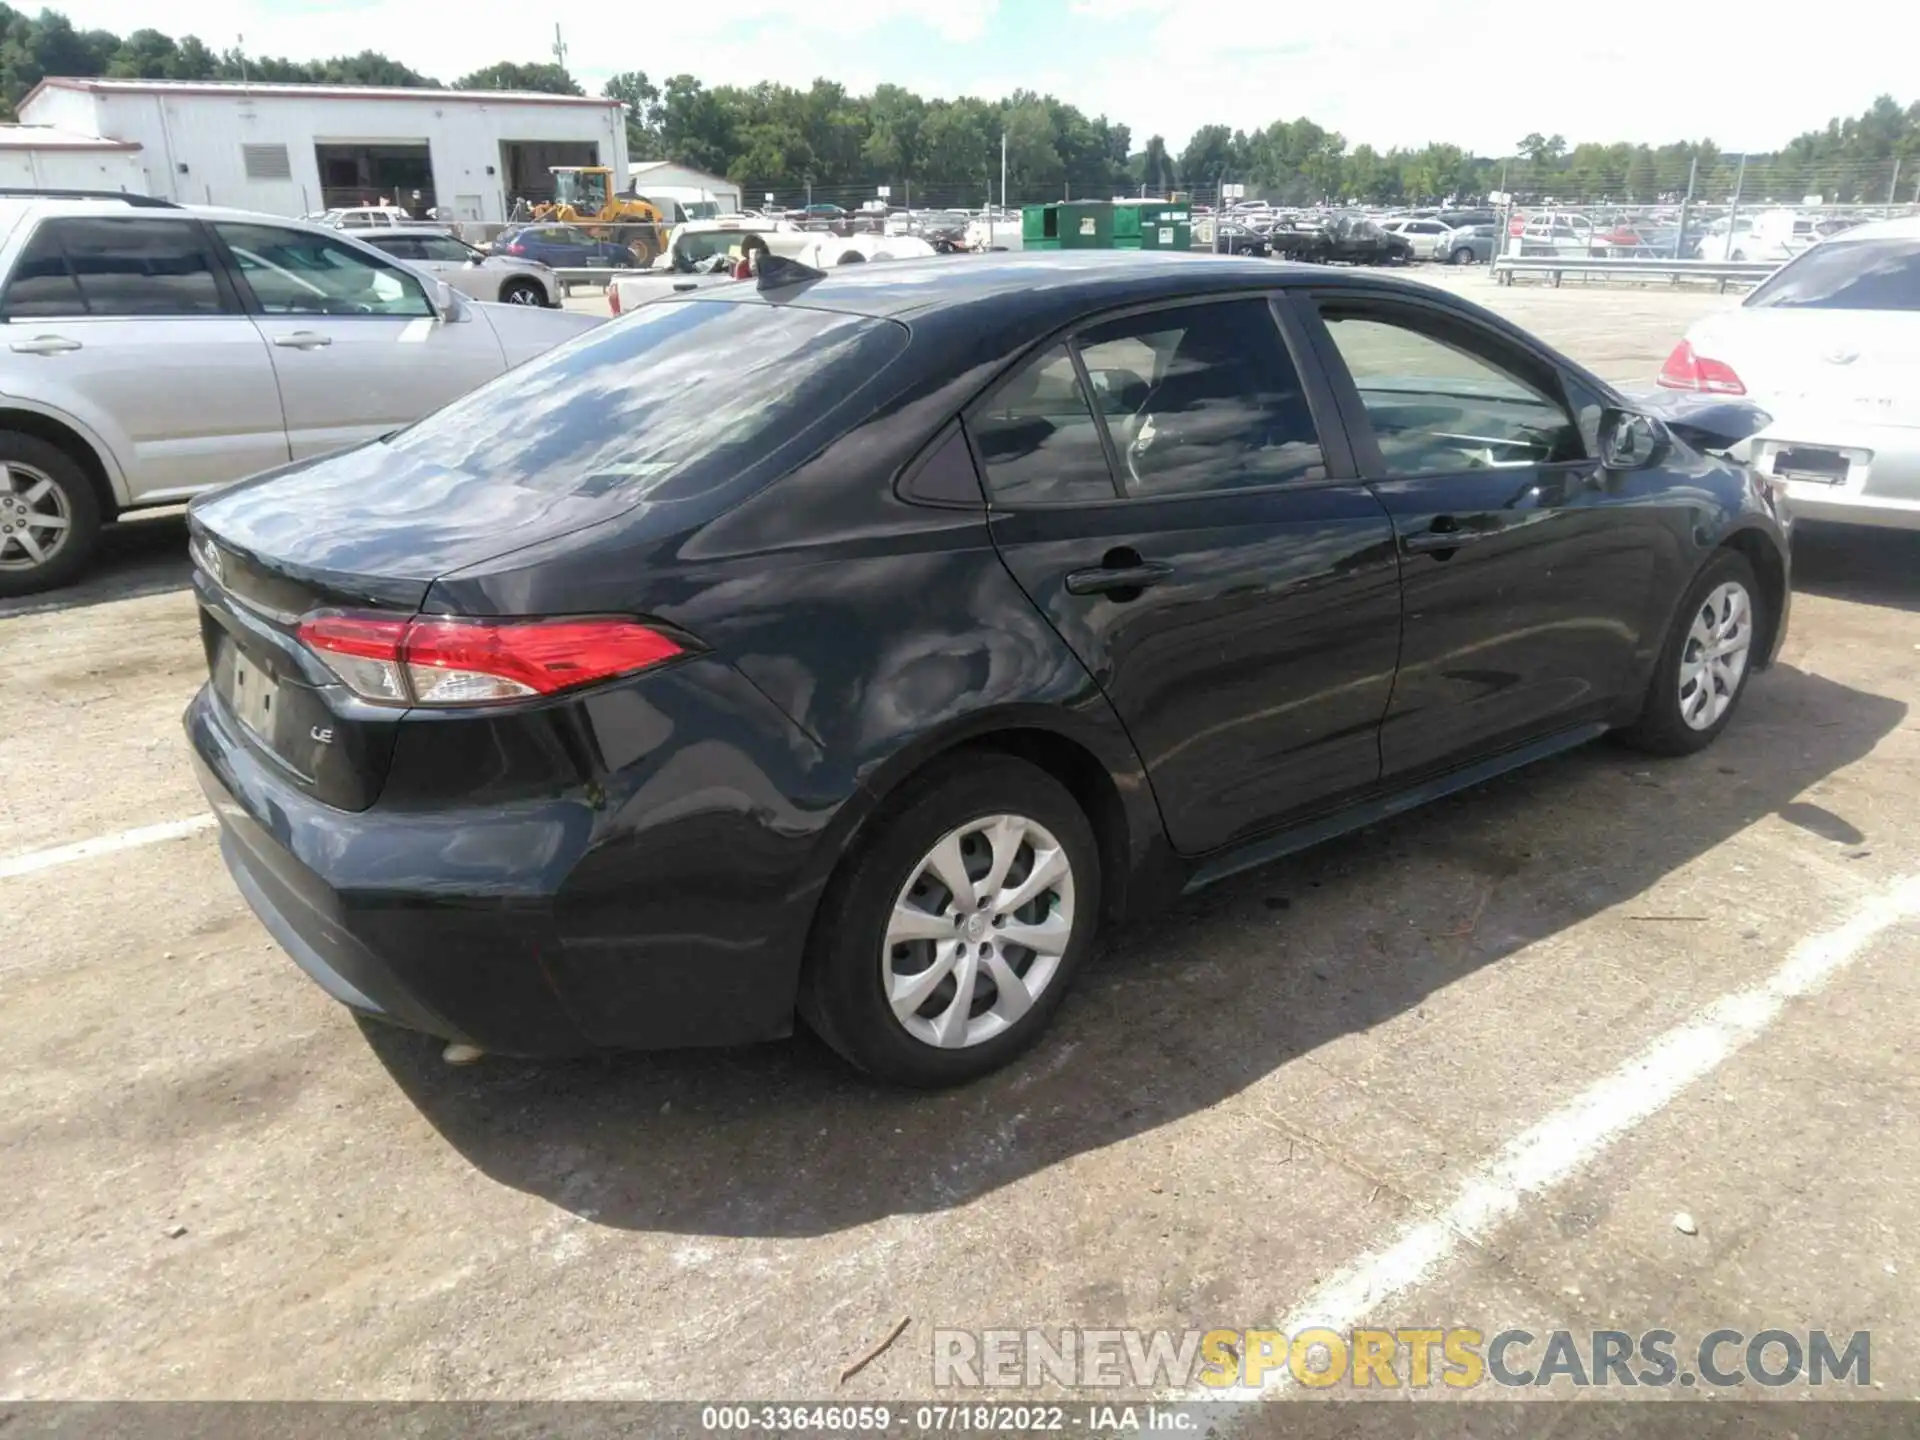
(1457, 1357)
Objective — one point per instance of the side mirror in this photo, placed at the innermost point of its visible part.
(1629, 441)
(444, 299)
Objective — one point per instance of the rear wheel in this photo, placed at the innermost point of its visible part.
(1704, 666)
(49, 515)
(643, 249)
(522, 292)
(1463, 256)
(948, 940)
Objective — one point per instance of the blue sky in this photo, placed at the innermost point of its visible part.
(1481, 73)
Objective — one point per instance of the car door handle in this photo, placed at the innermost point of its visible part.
(45, 345)
(303, 340)
(1105, 579)
(1445, 534)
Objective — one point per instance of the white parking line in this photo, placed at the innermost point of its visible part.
(1580, 1130)
(36, 860)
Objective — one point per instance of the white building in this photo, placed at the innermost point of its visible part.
(40, 157)
(293, 149)
(664, 180)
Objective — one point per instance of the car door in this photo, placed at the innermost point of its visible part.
(1526, 570)
(1194, 533)
(358, 347)
(129, 324)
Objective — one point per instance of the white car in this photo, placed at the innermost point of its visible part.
(688, 263)
(1557, 232)
(153, 351)
(501, 279)
(1829, 346)
(366, 217)
(1428, 237)
(1772, 235)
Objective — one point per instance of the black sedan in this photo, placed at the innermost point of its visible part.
(853, 647)
(1232, 239)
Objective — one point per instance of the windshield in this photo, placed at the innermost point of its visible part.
(1847, 275)
(677, 397)
(583, 190)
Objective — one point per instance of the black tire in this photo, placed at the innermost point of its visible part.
(522, 292)
(843, 993)
(1661, 728)
(1463, 256)
(36, 459)
(852, 257)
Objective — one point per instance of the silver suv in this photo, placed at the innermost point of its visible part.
(152, 351)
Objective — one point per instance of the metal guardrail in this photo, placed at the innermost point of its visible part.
(600, 275)
(1725, 272)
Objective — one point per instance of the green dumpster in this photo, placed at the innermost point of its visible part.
(1085, 224)
(1165, 227)
(1040, 227)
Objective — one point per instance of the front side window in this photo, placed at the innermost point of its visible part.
(1847, 275)
(1202, 398)
(1038, 439)
(1438, 400)
(295, 272)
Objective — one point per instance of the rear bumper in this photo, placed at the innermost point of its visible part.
(546, 928)
(1881, 486)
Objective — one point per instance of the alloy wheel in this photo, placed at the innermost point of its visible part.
(34, 517)
(978, 932)
(1714, 658)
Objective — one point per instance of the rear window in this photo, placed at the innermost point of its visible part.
(674, 399)
(1847, 275)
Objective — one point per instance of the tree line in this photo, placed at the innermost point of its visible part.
(780, 138)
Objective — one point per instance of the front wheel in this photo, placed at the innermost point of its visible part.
(1705, 663)
(948, 940)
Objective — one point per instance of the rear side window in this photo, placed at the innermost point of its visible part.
(116, 267)
(1038, 438)
(1847, 275)
(1202, 398)
(141, 267)
(677, 398)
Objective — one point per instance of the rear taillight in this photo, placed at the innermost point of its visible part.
(443, 662)
(516, 248)
(1687, 370)
(613, 298)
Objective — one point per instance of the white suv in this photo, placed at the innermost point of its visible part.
(152, 351)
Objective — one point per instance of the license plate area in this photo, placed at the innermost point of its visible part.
(1811, 464)
(250, 691)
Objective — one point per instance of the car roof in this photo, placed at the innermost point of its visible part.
(1907, 228)
(1066, 282)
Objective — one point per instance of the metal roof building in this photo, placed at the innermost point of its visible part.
(293, 149)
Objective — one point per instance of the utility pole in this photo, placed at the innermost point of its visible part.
(1733, 214)
(1891, 183)
(1686, 202)
(559, 47)
(1003, 169)
(240, 49)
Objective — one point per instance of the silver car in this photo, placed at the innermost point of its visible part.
(154, 351)
(505, 279)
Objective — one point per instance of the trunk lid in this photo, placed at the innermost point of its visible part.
(658, 423)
